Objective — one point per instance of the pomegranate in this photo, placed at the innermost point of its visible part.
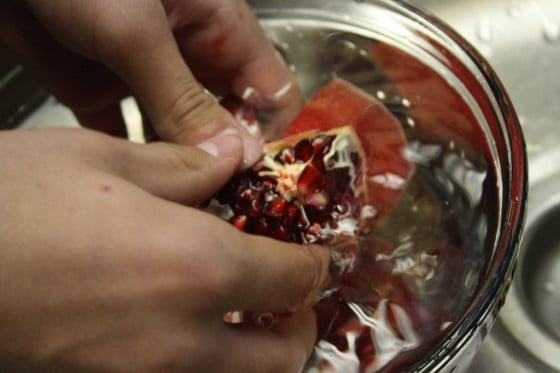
(340, 168)
(340, 103)
(306, 188)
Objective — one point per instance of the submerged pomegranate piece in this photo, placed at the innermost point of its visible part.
(306, 188)
(340, 103)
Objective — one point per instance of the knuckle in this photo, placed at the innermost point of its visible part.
(213, 280)
(190, 110)
(115, 29)
(180, 158)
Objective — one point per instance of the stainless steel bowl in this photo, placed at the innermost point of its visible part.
(322, 39)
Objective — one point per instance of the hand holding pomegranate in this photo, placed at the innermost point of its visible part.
(103, 268)
(91, 54)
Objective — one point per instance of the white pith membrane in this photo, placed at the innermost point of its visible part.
(339, 155)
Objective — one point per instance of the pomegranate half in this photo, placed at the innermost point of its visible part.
(306, 188)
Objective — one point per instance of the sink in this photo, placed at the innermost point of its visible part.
(521, 40)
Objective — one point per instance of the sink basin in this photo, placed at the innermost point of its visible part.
(521, 40)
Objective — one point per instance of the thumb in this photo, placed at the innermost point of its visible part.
(180, 109)
(184, 174)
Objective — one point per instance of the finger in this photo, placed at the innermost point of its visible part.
(264, 79)
(90, 90)
(179, 107)
(185, 174)
(237, 46)
(278, 102)
(239, 271)
(270, 275)
(134, 39)
(283, 348)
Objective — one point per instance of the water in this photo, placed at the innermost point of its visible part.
(551, 32)
(416, 273)
(485, 32)
(419, 267)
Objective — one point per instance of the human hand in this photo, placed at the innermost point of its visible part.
(103, 268)
(93, 53)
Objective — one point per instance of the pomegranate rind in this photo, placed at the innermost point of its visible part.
(343, 131)
(436, 106)
(340, 103)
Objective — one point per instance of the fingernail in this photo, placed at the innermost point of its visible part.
(267, 101)
(250, 95)
(234, 317)
(225, 144)
(264, 320)
(252, 150)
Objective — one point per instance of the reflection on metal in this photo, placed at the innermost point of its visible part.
(521, 38)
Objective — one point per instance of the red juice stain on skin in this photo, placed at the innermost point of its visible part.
(217, 44)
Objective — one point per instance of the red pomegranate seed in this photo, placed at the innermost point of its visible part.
(310, 180)
(276, 207)
(240, 222)
(304, 150)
